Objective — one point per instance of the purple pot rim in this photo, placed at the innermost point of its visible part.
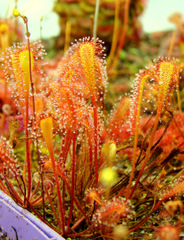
(34, 220)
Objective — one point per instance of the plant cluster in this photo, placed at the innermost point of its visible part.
(83, 172)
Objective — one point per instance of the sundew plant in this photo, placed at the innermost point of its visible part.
(85, 172)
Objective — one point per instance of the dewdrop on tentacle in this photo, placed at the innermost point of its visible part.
(87, 54)
(112, 213)
(8, 161)
(165, 74)
(83, 68)
(20, 64)
(155, 82)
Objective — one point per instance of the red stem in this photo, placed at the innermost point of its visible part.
(75, 200)
(73, 181)
(93, 98)
(13, 192)
(28, 159)
(3, 187)
(35, 190)
(148, 151)
(58, 192)
(53, 209)
(66, 141)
